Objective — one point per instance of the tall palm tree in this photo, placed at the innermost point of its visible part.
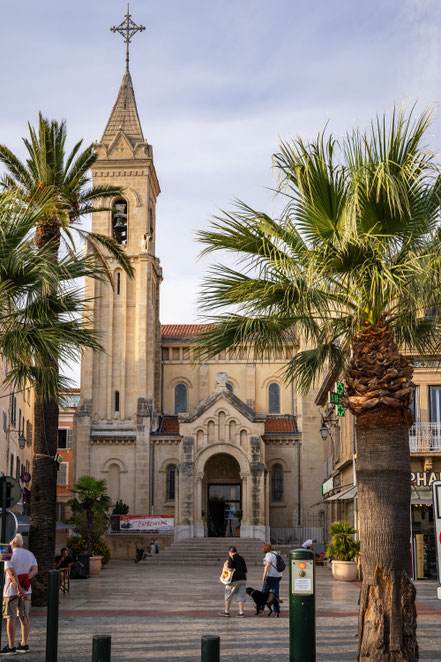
(42, 314)
(353, 265)
(64, 179)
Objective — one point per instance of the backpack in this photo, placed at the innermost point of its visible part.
(78, 571)
(280, 563)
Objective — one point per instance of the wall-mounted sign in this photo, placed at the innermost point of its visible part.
(146, 523)
(336, 398)
(424, 478)
(328, 485)
(25, 477)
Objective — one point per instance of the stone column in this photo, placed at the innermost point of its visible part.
(245, 501)
(142, 457)
(199, 524)
(257, 527)
(185, 528)
(81, 440)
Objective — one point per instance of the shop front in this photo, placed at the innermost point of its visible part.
(423, 528)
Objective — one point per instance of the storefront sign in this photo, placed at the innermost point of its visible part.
(436, 489)
(424, 478)
(146, 523)
(328, 485)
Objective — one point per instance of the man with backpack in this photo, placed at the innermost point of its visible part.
(274, 566)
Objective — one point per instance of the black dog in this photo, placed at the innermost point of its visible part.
(267, 599)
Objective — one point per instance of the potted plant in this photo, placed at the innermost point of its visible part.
(343, 551)
(238, 515)
(89, 514)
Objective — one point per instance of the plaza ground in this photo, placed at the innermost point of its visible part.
(161, 612)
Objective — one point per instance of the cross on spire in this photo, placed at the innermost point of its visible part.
(127, 29)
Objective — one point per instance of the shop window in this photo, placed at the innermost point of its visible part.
(171, 482)
(180, 398)
(277, 482)
(119, 221)
(274, 398)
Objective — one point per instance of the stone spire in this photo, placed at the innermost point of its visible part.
(124, 115)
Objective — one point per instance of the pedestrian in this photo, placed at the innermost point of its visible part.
(236, 589)
(157, 545)
(271, 576)
(17, 594)
(309, 543)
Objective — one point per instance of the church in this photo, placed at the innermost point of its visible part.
(171, 437)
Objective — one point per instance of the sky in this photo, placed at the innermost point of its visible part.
(218, 86)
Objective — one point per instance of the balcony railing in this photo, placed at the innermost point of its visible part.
(425, 437)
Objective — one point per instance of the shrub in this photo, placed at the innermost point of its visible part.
(120, 508)
(343, 547)
(78, 545)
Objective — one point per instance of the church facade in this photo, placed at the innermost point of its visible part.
(170, 437)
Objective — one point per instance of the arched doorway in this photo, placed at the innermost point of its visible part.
(223, 494)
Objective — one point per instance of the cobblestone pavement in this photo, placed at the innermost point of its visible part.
(161, 612)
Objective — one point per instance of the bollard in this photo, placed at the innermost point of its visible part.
(52, 616)
(101, 648)
(301, 605)
(210, 648)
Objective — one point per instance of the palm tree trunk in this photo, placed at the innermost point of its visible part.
(387, 619)
(43, 493)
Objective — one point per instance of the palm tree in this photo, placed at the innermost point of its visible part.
(353, 265)
(90, 496)
(41, 325)
(64, 180)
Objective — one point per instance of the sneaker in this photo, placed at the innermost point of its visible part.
(22, 648)
(224, 613)
(241, 614)
(8, 651)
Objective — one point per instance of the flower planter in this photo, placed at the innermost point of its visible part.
(345, 571)
(95, 565)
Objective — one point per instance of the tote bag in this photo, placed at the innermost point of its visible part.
(227, 574)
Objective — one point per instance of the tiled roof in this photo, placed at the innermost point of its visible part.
(168, 425)
(285, 424)
(181, 331)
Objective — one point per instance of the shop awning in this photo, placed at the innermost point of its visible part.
(344, 495)
(421, 496)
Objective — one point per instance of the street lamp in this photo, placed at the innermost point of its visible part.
(21, 440)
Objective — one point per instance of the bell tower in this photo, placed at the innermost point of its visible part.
(120, 387)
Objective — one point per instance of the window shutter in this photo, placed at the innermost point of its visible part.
(62, 474)
(69, 438)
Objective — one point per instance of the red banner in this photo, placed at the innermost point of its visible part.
(146, 523)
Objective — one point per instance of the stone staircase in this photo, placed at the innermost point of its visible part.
(208, 551)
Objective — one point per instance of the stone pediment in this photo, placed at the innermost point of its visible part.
(222, 393)
(120, 147)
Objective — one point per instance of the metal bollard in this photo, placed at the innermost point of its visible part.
(52, 616)
(101, 648)
(301, 606)
(210, 648)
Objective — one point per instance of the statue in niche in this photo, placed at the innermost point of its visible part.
(145, 241)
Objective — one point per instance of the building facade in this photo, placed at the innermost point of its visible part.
(339, 486)
(198, 442)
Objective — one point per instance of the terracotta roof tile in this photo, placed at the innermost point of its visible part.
(181, 331)
(168, 425)
(281, 425)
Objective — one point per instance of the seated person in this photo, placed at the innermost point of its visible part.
(63, 560)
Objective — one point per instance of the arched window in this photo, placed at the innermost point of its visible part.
(116, 400)
(119, 221)
(114, 482)
(274, 398)
(277, 482)
(118, 283)
(230, 387)
(180, 398)
(171, 482)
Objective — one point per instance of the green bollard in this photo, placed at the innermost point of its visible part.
(101, 645)
(52, 616)
(301, 605)
(210, 648)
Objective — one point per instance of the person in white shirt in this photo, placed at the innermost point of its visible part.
(309, 543)
(17, 594)
(271, 576)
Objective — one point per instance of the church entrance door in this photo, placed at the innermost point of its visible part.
(224, 500)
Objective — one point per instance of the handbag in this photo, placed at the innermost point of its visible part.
(227, 574)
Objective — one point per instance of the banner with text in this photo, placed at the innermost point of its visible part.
(146, 523)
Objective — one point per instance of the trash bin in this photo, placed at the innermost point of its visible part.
(84, 559)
